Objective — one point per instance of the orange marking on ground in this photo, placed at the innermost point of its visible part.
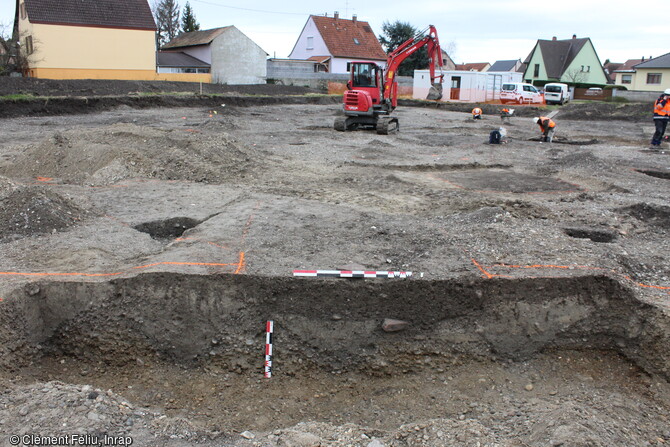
(547, 266)
(44, 179)
(181, 239)
(648, 286)
(581, 267)
(208, 264)
(479, 266)
(455, 185)
(241, 265)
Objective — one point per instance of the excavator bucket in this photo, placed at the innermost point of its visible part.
(435, 92)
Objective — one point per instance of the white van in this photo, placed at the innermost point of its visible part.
(520, 93)
(556, 93)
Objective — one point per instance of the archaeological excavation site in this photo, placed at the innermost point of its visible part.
(516, 294)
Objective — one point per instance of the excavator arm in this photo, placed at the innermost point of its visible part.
(427, 37)
(370, 100)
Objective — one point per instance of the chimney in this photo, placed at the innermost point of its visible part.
(574, 36)
(354, 18)
(336, 15)
(553, 38)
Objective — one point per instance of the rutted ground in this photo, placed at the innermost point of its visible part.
(541, 317)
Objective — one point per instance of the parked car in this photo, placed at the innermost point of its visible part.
(520, 93)
(556, 93)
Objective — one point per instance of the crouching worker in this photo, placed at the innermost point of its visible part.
(498, 136)
(476, 113)
(506, 114)
(547, 127)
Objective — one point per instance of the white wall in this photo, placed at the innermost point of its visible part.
(202, 52)
(339, 65)
(236, 59)
(475, 86)
(300, 51)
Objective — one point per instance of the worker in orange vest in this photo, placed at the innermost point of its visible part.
(476, 113)
(661, 117)
(505, 114)
(547, 126)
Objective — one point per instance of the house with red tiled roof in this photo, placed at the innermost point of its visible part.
(233, 57)
(336, 42)
(477, 66)
(622, 74)
(75, 39)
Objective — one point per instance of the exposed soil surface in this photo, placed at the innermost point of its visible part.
(144, 248)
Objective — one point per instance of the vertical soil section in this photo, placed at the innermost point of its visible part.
(336, 324)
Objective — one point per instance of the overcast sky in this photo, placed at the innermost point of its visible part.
(476, 31)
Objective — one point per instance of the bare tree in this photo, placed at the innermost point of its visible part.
(13, 58)
(166, 13)
(576, 76)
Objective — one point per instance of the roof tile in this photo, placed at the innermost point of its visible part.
(349, 38)
(97, 13)
(193, 38)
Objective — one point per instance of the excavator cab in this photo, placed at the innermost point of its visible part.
(364, 87)
(364, 74)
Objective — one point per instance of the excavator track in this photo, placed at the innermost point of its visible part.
(340, 123)
(387, 125)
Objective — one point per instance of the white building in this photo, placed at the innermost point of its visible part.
(233, 57)
(465, 86)
(336, 42)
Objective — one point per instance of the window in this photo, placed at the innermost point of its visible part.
(536, 71)
(29, 45)
(653, 78)
(365, 75)
(626, 79)
(310, 43)
(23, 11)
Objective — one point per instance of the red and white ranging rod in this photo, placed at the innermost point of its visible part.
(269, 328)
(353, 273)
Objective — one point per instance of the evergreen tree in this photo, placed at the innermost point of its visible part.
(188, 22)
(166, 13)
(394, 35)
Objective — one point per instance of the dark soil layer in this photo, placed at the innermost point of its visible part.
(100, 87)
(178, 316)
(93, 95)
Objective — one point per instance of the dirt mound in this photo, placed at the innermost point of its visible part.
(599, 110)
(572, 111)
(28, 211)
(126, 151)
(98, 87)
(585, 159)
(92, 416)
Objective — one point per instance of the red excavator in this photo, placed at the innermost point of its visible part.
(373, 91)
